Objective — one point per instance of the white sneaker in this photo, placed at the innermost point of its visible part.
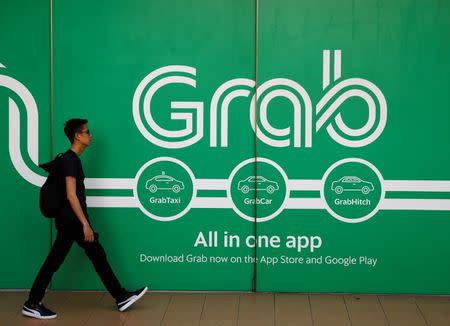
(130, 298)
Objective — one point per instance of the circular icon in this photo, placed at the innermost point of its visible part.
(352, 190)
(164, 187)
(257, 189)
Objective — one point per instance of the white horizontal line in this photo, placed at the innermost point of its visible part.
(200, 202)
(211, 184)
(417, 185)
(211, 202)
(109, 183)
(299, 184)
(416, 204)
(294, 184)
(103, 201)
(304, 203)
(291, 203)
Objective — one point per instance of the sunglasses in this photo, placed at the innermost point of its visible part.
(85, 132)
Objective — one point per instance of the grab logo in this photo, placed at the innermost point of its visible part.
(300, 131)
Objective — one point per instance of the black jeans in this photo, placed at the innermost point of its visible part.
(58, 253)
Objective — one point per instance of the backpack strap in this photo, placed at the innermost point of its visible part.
(52, 165)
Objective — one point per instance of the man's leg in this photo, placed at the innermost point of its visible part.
(97, 255)
(55, 258)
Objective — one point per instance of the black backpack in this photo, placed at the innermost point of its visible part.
(52, 191)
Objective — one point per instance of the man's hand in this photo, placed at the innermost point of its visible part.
(88, 233)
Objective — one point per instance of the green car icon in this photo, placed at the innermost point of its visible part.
(164, 182)
(257, 183)
(351, 183)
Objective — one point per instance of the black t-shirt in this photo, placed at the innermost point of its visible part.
(71, 167)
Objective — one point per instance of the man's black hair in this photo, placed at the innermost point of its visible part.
(73, 126)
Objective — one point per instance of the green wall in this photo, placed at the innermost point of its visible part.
(25, 57)
(378, 113)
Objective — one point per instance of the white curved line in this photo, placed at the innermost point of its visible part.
(308, 111)
(337, 88)
(136, 108)
(224, 113)
(372, 113)
(324, 118)
(215, 101)
(147, 108)
(263, 111)
(32, 114)
(14, 147)
(153, 75)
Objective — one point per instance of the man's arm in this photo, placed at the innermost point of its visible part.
(71, 190)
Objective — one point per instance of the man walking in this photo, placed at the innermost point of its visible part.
(73, 225)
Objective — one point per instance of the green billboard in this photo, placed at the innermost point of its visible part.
(291, 146)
